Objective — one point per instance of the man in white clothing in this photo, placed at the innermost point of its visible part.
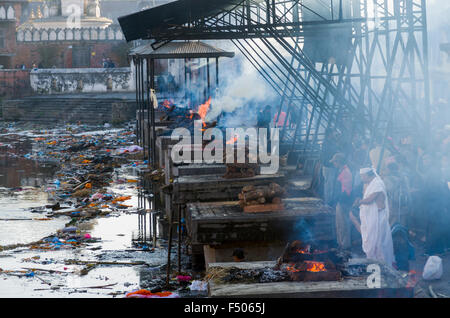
(374, 214)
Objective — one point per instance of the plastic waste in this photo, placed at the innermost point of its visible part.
(143, 293)
(69, 229)
(29, 274)
(133, 148)
(198, 285)
(433, 268)
(182, 278)
(97, 196)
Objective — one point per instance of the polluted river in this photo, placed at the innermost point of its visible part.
(71, 219)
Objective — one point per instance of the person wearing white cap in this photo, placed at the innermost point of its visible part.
(374, 214)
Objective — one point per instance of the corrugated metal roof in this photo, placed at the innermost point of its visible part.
(140, 25)
(181, 50)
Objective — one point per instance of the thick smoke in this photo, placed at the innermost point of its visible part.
(240, 86)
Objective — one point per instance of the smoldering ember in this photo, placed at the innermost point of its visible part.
(224, 149)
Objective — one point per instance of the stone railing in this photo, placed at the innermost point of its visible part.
(81, 80)
(111, 33)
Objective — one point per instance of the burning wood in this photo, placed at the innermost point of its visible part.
(203, 110)
(304, 262)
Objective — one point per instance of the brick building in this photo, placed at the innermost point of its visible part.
(52, 37)
(10, 13)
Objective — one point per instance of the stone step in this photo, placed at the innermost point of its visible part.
(85, 110)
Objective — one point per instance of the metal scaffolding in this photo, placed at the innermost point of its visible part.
(355, 66)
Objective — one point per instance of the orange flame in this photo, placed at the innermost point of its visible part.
(232, 140)
(412, 279)
(293, 269)
(203, 109)
(315, 266)
(311, 266)
(307, 251)
(166, 103)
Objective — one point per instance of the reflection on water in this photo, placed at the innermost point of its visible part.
(19, 182)
(16, 171)
(21, 172)
(14, 205)
(20, 189)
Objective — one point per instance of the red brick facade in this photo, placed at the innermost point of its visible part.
(8, 34)
(14, 83)
(60, 54)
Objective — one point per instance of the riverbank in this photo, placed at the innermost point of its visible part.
(88, 205)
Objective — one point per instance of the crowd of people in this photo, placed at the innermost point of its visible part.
(108, 63)
(412, 181)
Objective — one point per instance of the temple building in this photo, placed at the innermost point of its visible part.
(10, 13)
(68, 34)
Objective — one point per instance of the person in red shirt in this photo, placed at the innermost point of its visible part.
(280, 120)
(343, 201)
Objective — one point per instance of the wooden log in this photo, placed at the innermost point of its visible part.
(16, 219)
(253, 195)
(80, 185)
(284, 256)
(71, 261)
(263, 208)
(276, 200)
(46, 270)
(248, 188)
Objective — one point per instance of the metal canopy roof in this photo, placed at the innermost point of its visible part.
(139, 25)
(180, 50)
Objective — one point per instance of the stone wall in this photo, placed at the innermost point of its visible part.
(84, 108)
(82, 80)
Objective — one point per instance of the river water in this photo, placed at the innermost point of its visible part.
(23, 192)
(22, 187)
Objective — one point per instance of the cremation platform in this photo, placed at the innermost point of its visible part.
(215, 187)
(199, 169)
(221, 222)
(392, 285)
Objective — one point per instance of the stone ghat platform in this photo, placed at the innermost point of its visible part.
(222, 222)
(72, 108)
(214, 187)
(215, 229)
(392, 284)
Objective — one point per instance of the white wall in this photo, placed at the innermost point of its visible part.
(82, 80)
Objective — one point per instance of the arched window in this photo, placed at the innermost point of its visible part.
(10, 15)
(44, 35)
(36, 36)
(2, 13)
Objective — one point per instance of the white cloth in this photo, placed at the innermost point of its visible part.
(375, 229)
(153, 98)
(365, 170)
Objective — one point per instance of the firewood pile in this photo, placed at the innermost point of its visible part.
(261, 195)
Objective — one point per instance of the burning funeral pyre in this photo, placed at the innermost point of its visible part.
(306, 262)
(179, 117)
(300, 262)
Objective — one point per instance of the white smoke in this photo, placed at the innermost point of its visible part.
(239, 87)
